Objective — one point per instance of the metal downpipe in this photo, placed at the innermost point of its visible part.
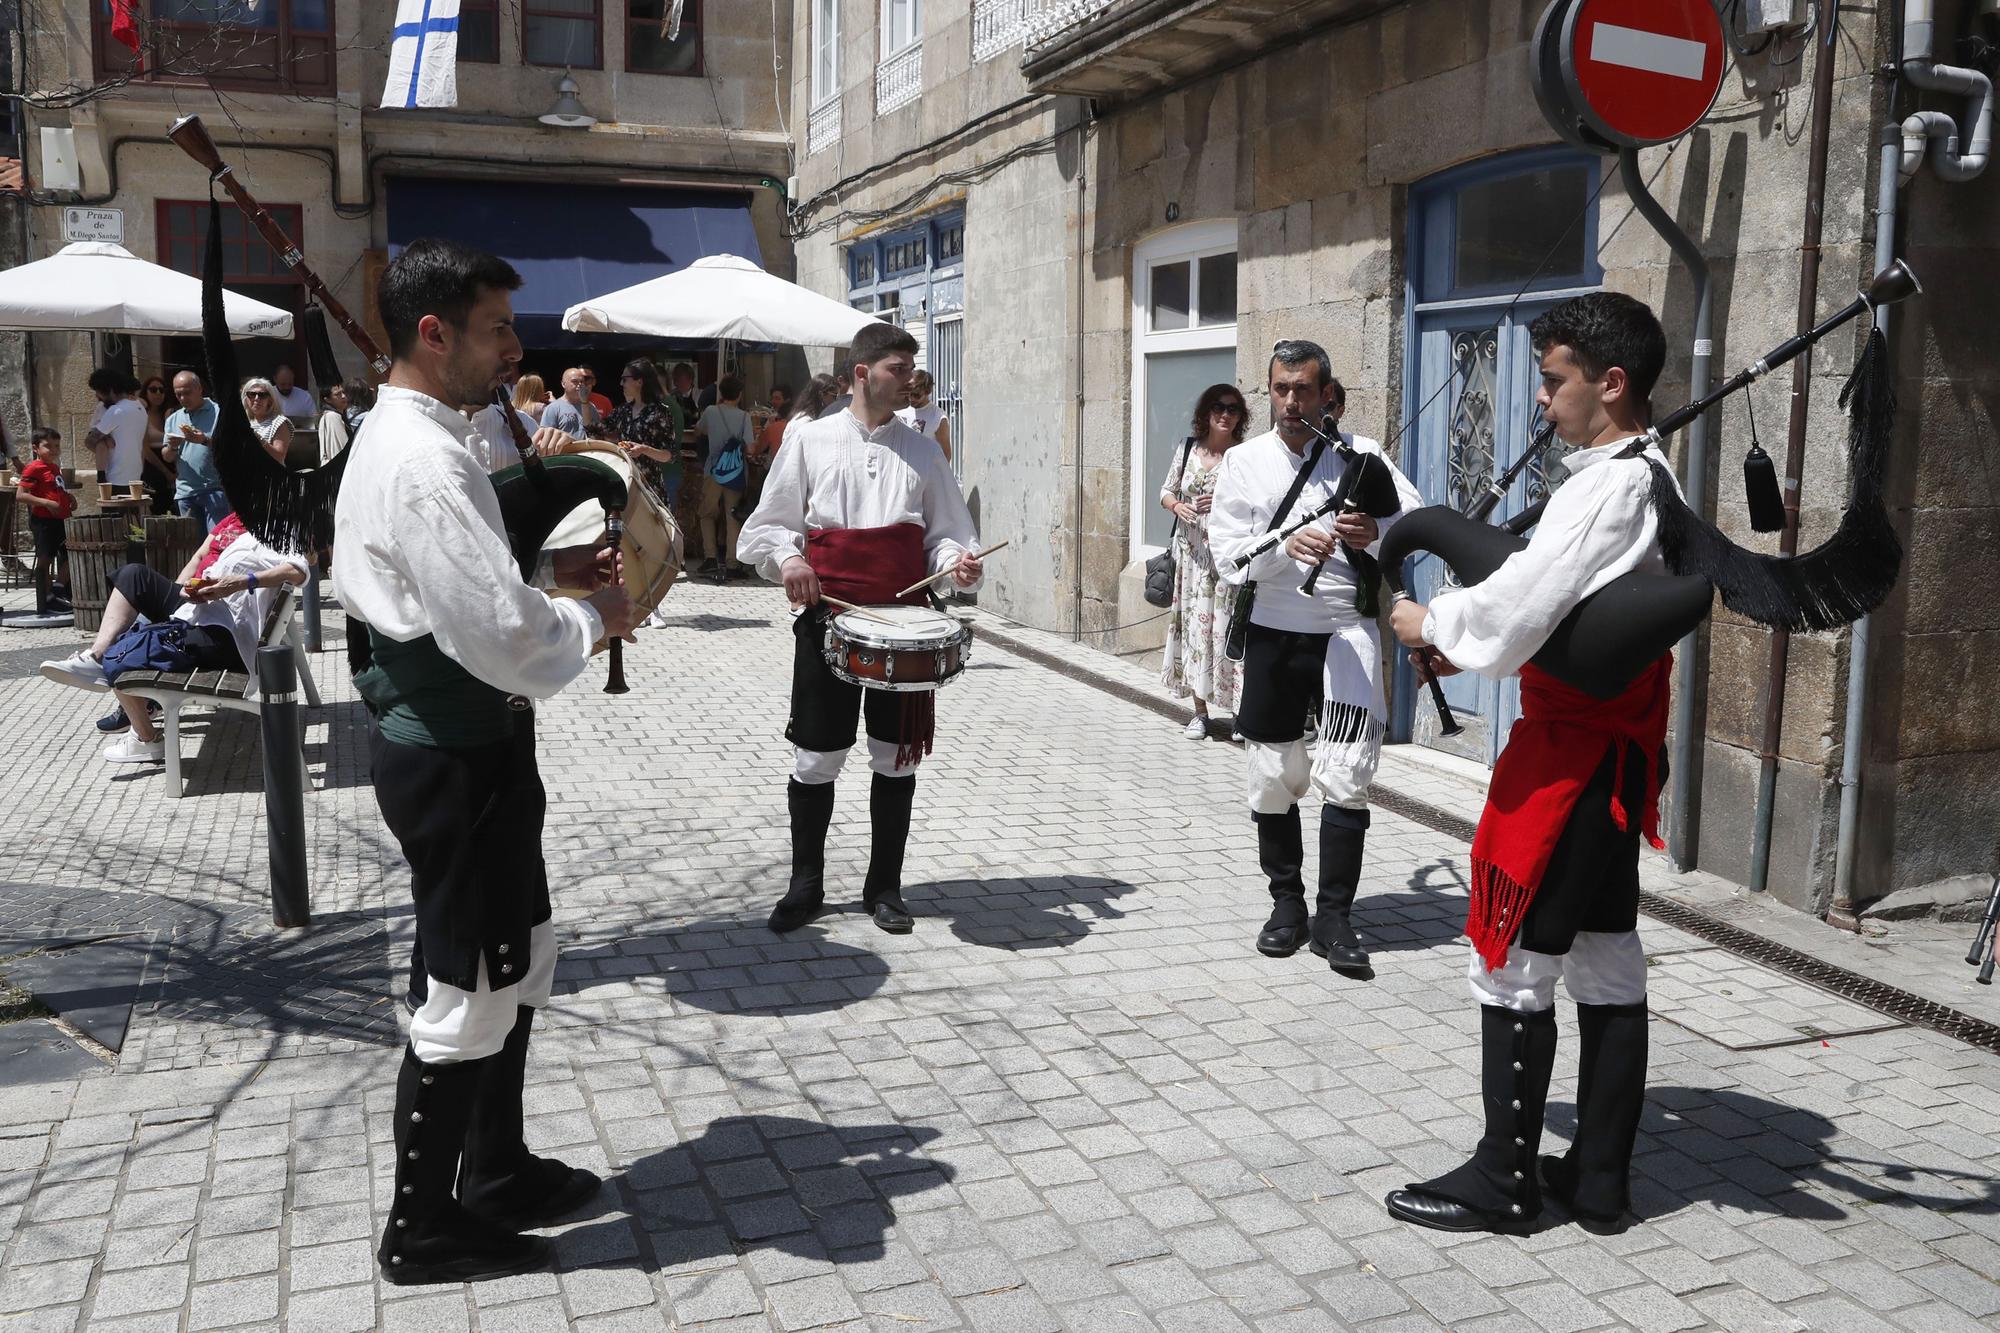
(1795, 437)
(1854, 735)
(1681, 765)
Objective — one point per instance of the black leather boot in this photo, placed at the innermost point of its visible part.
(1281, 853)
(1593, 1179)
(430, 1237)
(889, 802)
(1343, 833)
(499, 1179)
(811, 805)
(1497, 1189)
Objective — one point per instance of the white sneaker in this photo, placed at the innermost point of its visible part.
(129, 749)
(1196, 729)
(79, 669)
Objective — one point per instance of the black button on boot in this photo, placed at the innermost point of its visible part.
(1593, 1179)
(811, 805)
(431, 1237)
(500, 1180)
(1343, 834)
(889, 803)
(1281, 854)
(1496, 1190)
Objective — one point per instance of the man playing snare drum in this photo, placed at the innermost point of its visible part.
(858, 506)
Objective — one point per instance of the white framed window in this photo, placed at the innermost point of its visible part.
(1183, 340)
(825, 50)
(902, 25)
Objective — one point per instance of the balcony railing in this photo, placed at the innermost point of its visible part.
(1001, 25)
(899, 78)
(823, 126)
(1050, 18)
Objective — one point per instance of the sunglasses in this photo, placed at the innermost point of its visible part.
(1233, 409)
(256, 393)
(156, 388)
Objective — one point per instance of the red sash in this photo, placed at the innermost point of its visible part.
(870, 566)
(1550, 756)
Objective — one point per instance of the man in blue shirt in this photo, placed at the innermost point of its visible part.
(570, 413)
(197, 483)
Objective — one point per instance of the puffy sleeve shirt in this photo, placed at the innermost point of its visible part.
(420, 548)
(836, 473)
(243, 613)
(1599, 526)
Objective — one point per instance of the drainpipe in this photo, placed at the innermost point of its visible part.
(1082, 144)
(1937, 130)
(1795, 439)
(1681, 765)
(1855, 733)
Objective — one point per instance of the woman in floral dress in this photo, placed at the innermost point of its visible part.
(1194, 662)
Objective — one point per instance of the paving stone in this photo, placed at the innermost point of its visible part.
(139, 1291)
(252, 1301)
(811, 1303)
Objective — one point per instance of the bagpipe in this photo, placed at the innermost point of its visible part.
(1612, 635)
(293, 509)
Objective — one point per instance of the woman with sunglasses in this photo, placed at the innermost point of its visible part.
(1198, 621)
(157, 465)
(260, 400)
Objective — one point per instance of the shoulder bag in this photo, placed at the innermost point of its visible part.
(1160, 569)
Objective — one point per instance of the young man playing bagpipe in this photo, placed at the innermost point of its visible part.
(1555, 863)
(857, 506)
(1311, 634)
(459, 645)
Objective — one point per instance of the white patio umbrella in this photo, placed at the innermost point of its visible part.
(721, 296)
(93, 286)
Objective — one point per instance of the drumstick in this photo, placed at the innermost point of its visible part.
(953, 567)
(857, 610)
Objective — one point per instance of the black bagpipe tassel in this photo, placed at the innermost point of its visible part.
(1760, 487)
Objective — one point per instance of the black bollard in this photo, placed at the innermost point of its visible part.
(284, 785)
(311, 608)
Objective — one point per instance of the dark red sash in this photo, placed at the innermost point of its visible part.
(1551, 754)
(869, 566)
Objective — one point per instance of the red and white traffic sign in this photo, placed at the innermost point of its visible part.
(1642, 72)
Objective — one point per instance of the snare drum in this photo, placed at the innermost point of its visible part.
(897, 647)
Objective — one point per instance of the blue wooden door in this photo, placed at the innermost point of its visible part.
(1492, 246)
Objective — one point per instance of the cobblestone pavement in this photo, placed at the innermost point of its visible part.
(1073, 1099)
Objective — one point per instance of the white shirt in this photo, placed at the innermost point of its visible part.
(836, 473)
(242, 613)
(923, 420)
(125, 422)
(296, 402)
(492, 444)
(420, 548)
(1252, 479)
(1599, 526)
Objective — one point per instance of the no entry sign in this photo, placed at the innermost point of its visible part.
(1627, 73)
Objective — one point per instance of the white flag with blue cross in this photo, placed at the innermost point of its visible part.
(423, 55)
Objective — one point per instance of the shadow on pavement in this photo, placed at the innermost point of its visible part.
(816, 975)
(1734, 1149)
(760, 1182)
(1020, 915)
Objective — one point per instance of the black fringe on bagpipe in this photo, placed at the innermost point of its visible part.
(287, 510)
(1840, 580)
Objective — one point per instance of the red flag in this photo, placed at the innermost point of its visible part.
(124, 25)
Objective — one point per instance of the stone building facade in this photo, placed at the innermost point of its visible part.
(693, 126)
(1150, 193)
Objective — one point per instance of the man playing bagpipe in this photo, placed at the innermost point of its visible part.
(858, 506)
(1310, 633)
(458, 646)
(1555, 862)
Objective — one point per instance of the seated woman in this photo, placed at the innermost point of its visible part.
(221, 596)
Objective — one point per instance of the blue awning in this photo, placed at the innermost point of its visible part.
(571, 242)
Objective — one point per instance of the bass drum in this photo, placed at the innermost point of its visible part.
(652, 546)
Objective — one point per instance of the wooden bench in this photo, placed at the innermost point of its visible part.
(174, 690)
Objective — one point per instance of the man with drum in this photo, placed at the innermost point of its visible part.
(1305, 635)
(857, 507)
(1555, 863)
(459, 645)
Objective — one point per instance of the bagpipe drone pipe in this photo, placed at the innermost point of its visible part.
(1611, 636)
(293, 509)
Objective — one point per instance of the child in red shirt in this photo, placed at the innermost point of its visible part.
(48, 504)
